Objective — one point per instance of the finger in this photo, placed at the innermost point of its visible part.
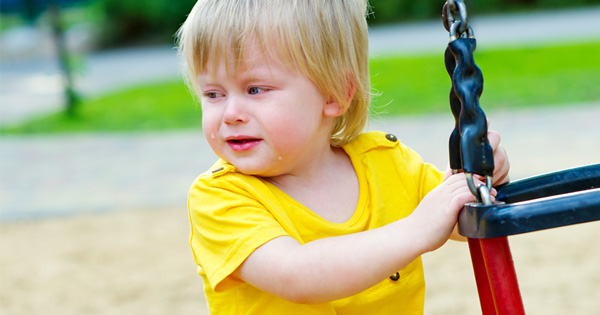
(456, 184)
(494, 139)
(502, 166)
(500, 159)
(448, 174)
(463, 196)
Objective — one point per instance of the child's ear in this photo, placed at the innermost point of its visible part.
(333, 108)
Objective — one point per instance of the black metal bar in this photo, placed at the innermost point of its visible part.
(501, 219)
(555, 183)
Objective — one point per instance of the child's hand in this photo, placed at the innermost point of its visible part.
(437, 214)
(501, 163)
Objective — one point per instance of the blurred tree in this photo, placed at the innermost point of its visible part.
(31, 10)
(64, 59)
(132, 21)
(394, 11)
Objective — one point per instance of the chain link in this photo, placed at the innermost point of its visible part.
(477, 191)
(456, 28)
(484, 195)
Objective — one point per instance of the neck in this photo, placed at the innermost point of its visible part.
(330, 190)
(320, 168)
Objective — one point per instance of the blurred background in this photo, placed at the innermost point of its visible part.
(100, 139)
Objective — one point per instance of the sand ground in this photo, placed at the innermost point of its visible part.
(138, 262)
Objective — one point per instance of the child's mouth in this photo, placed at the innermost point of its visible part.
(241, 140)
(243, 144)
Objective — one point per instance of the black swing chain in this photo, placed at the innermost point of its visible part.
(469, 146)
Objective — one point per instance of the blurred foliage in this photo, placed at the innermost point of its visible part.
(132, 21)
(120, 22)
(394, 11)
(75, 14)
(8, 21)
(30, 10)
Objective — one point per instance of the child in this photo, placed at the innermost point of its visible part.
(304, 214)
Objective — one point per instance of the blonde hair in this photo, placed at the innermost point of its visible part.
(326, 40)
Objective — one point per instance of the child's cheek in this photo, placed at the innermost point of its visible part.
(209, 123)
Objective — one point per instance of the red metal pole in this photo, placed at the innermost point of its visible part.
(486, 299)
(502, 276)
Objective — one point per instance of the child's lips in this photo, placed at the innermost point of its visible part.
(242, 143)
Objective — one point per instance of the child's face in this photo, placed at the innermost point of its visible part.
(266, 119)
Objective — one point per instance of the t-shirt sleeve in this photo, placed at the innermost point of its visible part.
(227, 225)
(389, 155)
(425, 175)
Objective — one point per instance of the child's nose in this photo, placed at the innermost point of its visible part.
(235, 111)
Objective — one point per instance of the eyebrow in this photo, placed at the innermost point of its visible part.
(244, 72)
(262, 73)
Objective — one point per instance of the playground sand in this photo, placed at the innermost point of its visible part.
(139, 262)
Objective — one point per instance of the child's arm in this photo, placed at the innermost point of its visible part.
(338, 267)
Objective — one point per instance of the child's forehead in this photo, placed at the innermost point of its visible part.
(249, 59)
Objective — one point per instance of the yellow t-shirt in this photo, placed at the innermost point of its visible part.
(232, 214)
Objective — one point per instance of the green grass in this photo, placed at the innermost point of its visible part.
(513, 78)
(158, 106)
(8, 21)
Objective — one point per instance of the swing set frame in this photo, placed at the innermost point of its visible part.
(545, 201)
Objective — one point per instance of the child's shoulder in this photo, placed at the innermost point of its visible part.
(223, 173)
(374, 144)
(373, 140)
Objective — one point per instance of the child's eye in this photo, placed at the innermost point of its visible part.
(255, 90)
(212, 94)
